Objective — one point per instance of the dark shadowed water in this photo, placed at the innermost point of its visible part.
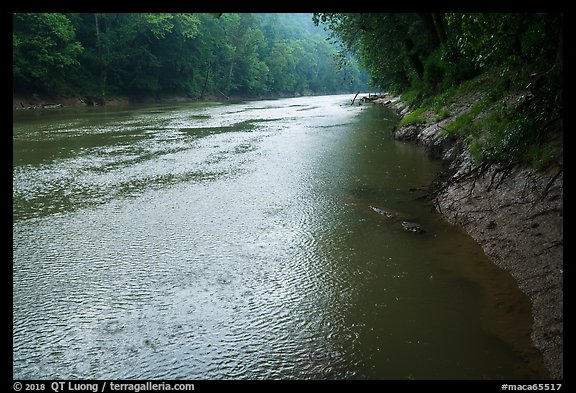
(240, 241)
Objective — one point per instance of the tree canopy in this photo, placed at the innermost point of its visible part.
(434, 51)
(108, 54)
(427, 55)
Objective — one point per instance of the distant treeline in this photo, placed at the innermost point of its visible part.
(109, 54)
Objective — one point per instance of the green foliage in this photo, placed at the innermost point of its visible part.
(501, 129)
(458, 68)
(434, 72)
(394, 48)
(464, 123)
(158, 24)
(43, 50)
(412, 97)
(416, 117)
(436, 60)
(442, 114)
(511, 138)
(507, 38)
(175, 53)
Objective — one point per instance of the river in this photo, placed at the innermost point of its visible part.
(241, 241)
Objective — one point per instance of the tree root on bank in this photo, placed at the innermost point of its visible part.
(447, 180)
(547, 188)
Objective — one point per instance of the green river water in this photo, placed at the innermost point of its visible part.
(238, 241)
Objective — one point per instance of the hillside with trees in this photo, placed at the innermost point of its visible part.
(194, 55)
(512, 63)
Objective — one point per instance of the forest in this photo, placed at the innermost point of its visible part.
(192, 55)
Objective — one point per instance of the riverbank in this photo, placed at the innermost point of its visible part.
(20, 102)
(514, 212)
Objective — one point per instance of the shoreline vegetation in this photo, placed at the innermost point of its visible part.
(99, 56)
(30, 102)
(513, 211)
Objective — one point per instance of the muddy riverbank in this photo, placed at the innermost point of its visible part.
(514, 212)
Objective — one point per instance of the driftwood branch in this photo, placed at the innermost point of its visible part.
(354, 98)
(223, 94)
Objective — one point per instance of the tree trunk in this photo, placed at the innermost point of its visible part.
(103, 75)
(208, 66)
(440, 24)
(430, 28)
(414, 59)
(231, 70)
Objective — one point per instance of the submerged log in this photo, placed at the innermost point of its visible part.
(396, 219)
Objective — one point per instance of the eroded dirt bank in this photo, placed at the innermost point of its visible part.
(515, 213)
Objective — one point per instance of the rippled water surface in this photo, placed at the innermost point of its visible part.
(239, 241)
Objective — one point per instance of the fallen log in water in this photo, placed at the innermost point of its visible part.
(362, 198)
(396, 219)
